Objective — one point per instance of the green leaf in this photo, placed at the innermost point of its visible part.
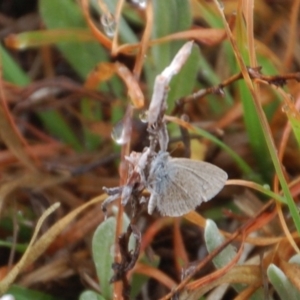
(7, 224)
(83, 57)
(175, 16)
(102, 245)
(281, 284)
(138, 280)
(21, 248)
(295, 259)
(40, 38)
(293, 116)
(246, 169)
(91, 112)
(126, 33)
(255, 133)
(21, 293)
(209, 14)
(268, 68)
(213, 239)
(90, 295)
(103, 252)
(55, 123)
(183, 83)
(251, 117)
(213, 79)
(11, 71)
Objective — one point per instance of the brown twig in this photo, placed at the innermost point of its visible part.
(277, 80)
(241, 231)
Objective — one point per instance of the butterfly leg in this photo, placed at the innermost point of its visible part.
(113, 194)
(113, 191)
(152, 203)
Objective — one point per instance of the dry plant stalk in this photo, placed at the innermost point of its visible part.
(176, 185)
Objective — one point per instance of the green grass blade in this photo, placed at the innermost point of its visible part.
(11, 71)
(265, 127)
(83, 57)
(90, 295)
(47, 37)
(284, 288)
(252, 122)
(255, 133)
(175, 16)
(52, 121)
(56, 124)
(21, 293)
(245, 168)
(126, 33)
(214, 239)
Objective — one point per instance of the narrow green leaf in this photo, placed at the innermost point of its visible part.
(213, 239)
(252, 122)
(103, 252)
(40, 38)
(209, 14)
(51, 120)
(133, 16)
(281, 284)
(7, 224)
(255, 133)
(295, 259)
(268, 68)
(175, 16)
(246, 169)
(83, 57)
(183, 83)
(21, 293)
(21, 248)
(138, 280)
(295, 123)
(11, 71)
(126, 33)
(90, 295)
(91, 112)
(55, 123)
(267, 133)
(210, 76)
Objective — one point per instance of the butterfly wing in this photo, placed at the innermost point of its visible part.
(211, 179)
(177, 201)
(188, 184)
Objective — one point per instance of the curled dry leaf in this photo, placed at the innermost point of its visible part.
(104, 71)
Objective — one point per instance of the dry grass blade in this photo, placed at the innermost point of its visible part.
(36, 248)
(102, 38)
(27, 257)
(250, 275)
(29, 180)
(13, 141)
